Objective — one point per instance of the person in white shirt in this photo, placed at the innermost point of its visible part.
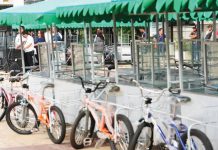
(47, 36)
(17, 39)
(56, 36)
(28, 47)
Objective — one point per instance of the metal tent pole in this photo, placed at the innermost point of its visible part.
(180, 52)
(92, 51)
(48, 42)
(202, 29)
(133, 52)
(214, 26)
(22, 52)
(53, 57)
(121, 36)
(52, 53)
(167, 50)
(163, 24)
(198, 30)
(115, 48)
(171, 31)
(65, 37)
(157, 23)
(157, 57)
(86, 51)
(78, 34)
(205, 64)
(148, 31)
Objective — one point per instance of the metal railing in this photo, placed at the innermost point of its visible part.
(151, 62)
(210, 67)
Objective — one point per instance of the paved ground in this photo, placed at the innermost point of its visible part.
(10, 140)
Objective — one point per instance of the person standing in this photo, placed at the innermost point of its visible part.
(143, 34)
(99, 37)
(195, 45)
(28, 47)
(193, 34)
(209, 33)
(160, 39)
(56, 36)
(17, 39)
(99, 41)
(40, 37)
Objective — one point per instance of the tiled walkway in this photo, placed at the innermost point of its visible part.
(10, 140)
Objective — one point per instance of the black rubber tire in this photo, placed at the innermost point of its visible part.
(63, 126)
(134, 140)
(129, 127)
(81, 115)
(200, 135)
(3, 106)
(12, 126)
(14, 66)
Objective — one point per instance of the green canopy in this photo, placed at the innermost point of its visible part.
(83, 10)
(68, 11)
(135, 9)
(37, 13)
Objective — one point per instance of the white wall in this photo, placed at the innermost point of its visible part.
(202, 107)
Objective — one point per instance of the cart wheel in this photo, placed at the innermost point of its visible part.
(17, 69)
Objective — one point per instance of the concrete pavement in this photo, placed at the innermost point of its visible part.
(9, 140)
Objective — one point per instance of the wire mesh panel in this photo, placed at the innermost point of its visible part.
(59, 56)
(152, 63)
(192, 64)
(74, 38)
(145, 60)
(108, 39)
(124, 39)
(44, 58)
(78, 59)
(192, 51)
(212, 62)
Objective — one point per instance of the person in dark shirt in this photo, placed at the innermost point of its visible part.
(40, 37)
(160, 39)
